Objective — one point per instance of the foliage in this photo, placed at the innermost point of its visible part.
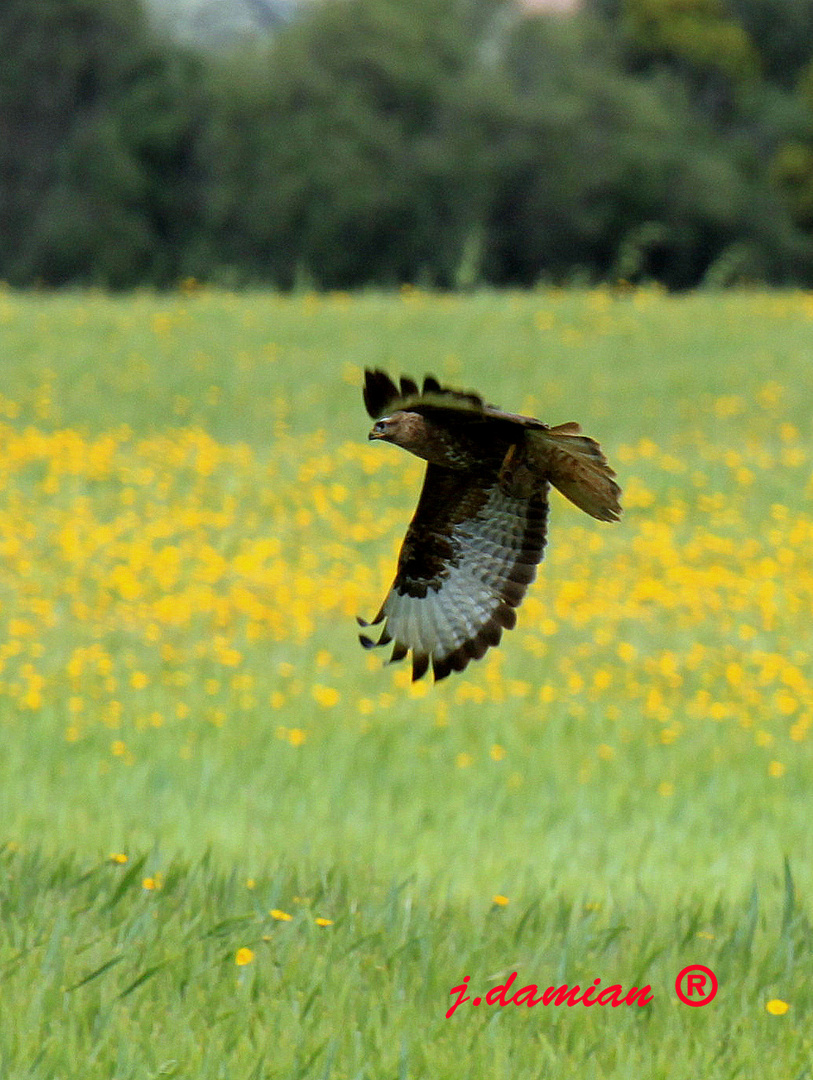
(782, 33)
(98, 147)
(397, 141)
(698, 33)
(365, 149)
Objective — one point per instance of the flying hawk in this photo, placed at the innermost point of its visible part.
(478, 532)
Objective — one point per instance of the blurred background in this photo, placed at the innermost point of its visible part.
(231, 842)
(442, 143)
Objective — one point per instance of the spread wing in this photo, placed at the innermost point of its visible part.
(468, 556)
(572, 462)
(382, 397)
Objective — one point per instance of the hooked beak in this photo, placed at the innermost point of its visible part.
(377, 431)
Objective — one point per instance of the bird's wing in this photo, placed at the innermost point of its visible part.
(382, 397)
(468, 556)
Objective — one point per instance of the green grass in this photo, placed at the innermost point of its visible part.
(103, 978)
(249, 761)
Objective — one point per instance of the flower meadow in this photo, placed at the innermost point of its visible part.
(210, 793)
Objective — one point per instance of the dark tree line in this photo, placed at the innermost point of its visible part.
(438, 142)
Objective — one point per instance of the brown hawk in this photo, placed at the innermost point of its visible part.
(478, 532)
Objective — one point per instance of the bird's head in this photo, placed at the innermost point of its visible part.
(409, 430)
(398, 428)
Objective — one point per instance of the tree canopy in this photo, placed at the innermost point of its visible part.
(441, 142)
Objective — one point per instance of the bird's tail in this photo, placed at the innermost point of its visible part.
(576, 466)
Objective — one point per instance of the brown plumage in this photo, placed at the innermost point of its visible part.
(478, 532)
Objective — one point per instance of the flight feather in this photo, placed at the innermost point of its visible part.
(479, 530)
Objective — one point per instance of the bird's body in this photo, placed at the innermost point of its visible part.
(479, 529)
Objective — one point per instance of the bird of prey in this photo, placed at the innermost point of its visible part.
(478, 532)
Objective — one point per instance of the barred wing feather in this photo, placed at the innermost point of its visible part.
(468, 557)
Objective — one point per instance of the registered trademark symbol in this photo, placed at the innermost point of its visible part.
(696, 985)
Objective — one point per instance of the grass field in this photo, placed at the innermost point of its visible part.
(236, 846)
